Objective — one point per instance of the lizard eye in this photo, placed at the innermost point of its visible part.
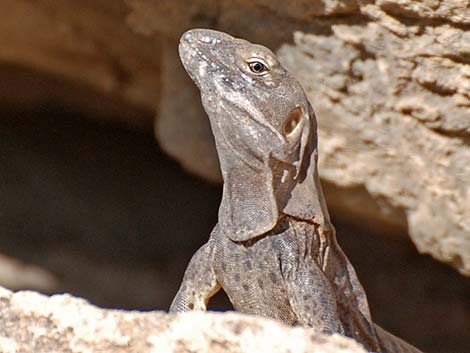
(258, 66)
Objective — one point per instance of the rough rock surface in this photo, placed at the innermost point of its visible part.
(401, 111)
(390, 81)
(32, 322)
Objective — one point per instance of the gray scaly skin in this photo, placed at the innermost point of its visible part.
(274, 250)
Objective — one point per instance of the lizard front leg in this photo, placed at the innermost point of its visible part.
(312, 298)
(199, 282)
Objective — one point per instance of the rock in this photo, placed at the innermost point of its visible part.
(79, 55)
(390, 82)
(178, 123)
(396, 110)
(32, 322)
(16, 274)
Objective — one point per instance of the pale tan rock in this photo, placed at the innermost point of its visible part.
(181, 129)
(34, 323)
(456, 11)
(399, 115)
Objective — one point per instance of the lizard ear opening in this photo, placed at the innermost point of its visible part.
(293, 119)
(248, 208)
(304, 198)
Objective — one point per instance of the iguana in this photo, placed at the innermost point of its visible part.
(274, 249)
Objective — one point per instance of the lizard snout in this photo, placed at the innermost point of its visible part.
(204, 36)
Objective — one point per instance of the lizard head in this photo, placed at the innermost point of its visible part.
(247, 93)
(264, 128)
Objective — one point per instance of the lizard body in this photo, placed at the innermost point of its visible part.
(274, 250)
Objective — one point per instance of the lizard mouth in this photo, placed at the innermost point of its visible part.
(187, 55)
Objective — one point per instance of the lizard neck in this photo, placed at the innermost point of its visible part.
(248, 208)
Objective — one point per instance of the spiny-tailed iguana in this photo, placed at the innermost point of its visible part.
(274, 250)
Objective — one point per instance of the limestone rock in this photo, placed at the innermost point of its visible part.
(180, 129)
(390, 82)
(34, 323)
(391, 100)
